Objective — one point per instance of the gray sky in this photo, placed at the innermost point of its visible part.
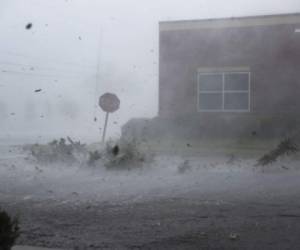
(60, 54)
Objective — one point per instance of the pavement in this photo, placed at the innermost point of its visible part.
(33, 248)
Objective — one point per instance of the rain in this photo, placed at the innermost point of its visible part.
(149, 124)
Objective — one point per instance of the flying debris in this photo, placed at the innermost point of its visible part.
(29, 26)
(115, 150)
(38, 170)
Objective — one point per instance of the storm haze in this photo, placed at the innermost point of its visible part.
(77, 50)
(203, 140)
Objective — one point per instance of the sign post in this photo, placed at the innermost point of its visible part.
(109, 103)
(105, 126)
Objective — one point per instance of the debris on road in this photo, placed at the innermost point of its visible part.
(184, 167)
(234, 236)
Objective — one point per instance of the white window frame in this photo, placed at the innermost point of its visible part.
(223, 91)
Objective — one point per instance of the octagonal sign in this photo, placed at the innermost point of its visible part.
(109, 102)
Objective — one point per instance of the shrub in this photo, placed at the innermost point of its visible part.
(93, 157)
(58, 151)
(9, 231)
(124, 155)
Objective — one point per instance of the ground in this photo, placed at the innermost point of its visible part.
(220, 202)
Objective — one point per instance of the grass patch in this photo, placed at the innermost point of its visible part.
(245, 147)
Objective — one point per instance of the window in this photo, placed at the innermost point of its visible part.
(224, 92)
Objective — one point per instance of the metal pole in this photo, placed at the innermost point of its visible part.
(105, 126)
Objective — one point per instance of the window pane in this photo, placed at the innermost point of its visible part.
(210, 101)
(238, 81)
(236, 101)
(210, 82)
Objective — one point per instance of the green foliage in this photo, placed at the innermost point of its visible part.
(286, 147)
(9, 231)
